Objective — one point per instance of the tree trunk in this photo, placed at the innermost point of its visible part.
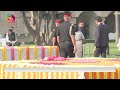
(52, 21)
(34, 26)
(29, 28)
(35, 32)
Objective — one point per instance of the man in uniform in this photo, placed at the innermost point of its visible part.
(101, 38)
(53, 37)
(66, 37)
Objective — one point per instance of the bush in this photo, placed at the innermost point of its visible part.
(31, 42)
(89, 41)
(18, 43)
(92, 41)
(111, 41)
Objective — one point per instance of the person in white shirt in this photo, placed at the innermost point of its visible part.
(79, 37)
(10, 38)
(80, 40)
(118, 45)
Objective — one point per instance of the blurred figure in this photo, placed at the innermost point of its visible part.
(109, 29)
(12, 28)
(17, 43)
(118, 45)
(81, 27)
(80, 40)
(53, 37)
(10, 38)
(66, 37)
(101, 38)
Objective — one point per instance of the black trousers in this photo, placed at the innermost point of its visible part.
(66, 49)
(9, 44)
(100, 51)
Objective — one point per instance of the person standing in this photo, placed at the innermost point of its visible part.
(53, 37)
(66, 37)
(109, 29)
(80, 39)
(81, 27)
(101, 38)
(13, 32)
(12, 28)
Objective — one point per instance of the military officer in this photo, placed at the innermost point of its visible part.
(53, 37)
(66, 37)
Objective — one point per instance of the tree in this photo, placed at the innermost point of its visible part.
(38, 18)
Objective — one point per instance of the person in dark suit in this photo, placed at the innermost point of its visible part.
(101, 38)
(66, 37)
(109, 29)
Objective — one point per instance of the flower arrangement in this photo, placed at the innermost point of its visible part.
(85, 61)
(55, 58)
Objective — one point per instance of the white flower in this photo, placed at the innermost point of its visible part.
(45, 58)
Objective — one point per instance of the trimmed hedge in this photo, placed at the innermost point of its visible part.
(87, 41)
(92, 41)
(31, 42)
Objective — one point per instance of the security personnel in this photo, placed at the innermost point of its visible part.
(66, 37)
(101, 38)
(53, 37)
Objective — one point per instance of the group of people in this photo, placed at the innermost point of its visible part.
(70, 38)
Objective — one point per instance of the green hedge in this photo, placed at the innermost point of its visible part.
(31, 42)
(92, 41)
(87, 41)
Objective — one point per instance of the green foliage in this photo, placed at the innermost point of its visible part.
(89, 48)
(92, 41)
(29, 43)
(113, 50)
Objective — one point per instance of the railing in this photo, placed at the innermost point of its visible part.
(27, 53)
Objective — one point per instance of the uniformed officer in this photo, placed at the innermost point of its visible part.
(66, 37)
(101, 38)
(53, 37)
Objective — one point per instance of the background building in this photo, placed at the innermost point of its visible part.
(87, 16)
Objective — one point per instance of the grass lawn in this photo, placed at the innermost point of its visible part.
(89, 50)
(112, 50)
